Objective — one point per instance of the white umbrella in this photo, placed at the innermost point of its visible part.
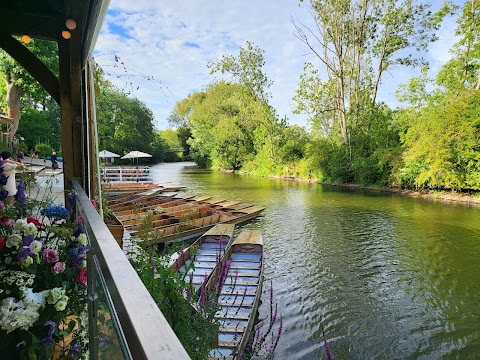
(135, 155)
(107, 154)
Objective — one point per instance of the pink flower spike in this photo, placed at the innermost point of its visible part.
(2, 206)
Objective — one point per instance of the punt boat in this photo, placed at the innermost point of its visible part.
(193, 228)
(238, 293)
(199, 260)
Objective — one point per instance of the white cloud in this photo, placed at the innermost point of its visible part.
(173, 42)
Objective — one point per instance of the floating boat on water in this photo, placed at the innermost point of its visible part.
(200, 259)
(185, 230)
(238, 293)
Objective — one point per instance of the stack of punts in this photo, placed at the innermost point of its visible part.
(179, 218)
(199, 260)
(238, 293)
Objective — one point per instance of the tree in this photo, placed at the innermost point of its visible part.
(124, 123)
(357, 42)
(20, 84)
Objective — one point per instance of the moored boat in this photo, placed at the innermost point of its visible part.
(195, 227)
(237, 281)
(199, 260)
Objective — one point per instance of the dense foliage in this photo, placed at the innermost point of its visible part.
(432, 142)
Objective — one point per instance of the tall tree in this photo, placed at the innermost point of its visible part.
(20, 83)
(357, 41)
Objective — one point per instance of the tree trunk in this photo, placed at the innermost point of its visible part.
(14, 93)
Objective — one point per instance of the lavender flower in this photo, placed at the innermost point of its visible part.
(3, 180)
(3, 194)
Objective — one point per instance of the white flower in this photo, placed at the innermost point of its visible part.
(35, 299)
(13, 240)
(30, 229)
(82, 239)
(60, 305)
(55, 295)
(36, 246)
(8, 260)
(27, 262)
(22, 314)
(19, 224)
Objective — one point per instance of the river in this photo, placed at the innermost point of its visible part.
(381, 275)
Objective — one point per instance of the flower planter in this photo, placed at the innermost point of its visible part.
(116, 228)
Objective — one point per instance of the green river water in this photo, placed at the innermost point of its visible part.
(384, 276)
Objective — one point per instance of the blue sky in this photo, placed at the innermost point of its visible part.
(173, 41)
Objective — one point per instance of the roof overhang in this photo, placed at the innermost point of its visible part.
(45, 19)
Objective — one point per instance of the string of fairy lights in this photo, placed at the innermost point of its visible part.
(66, 34)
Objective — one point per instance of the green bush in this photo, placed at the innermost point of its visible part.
(43, 149)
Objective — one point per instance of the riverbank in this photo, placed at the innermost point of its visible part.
(426, 194)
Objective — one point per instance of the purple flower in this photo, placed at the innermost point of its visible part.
(20, 196)
(75, 262)
(24, 252)
(3, 180)
(74, 352)
(51, 330)
(328, 351)
(27, 240)
(71, 199)
(79, 231)
(82, 250)
(3, 194)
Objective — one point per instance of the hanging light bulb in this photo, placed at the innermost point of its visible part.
(66, 34)
(71, 24)
(26, 39)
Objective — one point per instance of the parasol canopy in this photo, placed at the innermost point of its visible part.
(135, 155)
(107, 154)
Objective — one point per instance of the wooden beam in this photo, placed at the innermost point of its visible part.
(32, 64)
(70, 103)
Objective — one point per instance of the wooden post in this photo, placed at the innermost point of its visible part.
(71, 105)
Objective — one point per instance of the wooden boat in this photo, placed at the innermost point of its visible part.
(150, 202)
(168, 207)
(199, 260)
(196, 227)
(238, 293)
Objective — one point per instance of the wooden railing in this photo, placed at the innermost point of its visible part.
(117, 296)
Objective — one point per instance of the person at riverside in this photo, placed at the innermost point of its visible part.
(53, 158)
(9, 168)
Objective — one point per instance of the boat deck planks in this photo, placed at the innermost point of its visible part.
(240, 295)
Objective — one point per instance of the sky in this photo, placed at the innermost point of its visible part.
(163, 49)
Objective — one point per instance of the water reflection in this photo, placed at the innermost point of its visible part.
(382, 275)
